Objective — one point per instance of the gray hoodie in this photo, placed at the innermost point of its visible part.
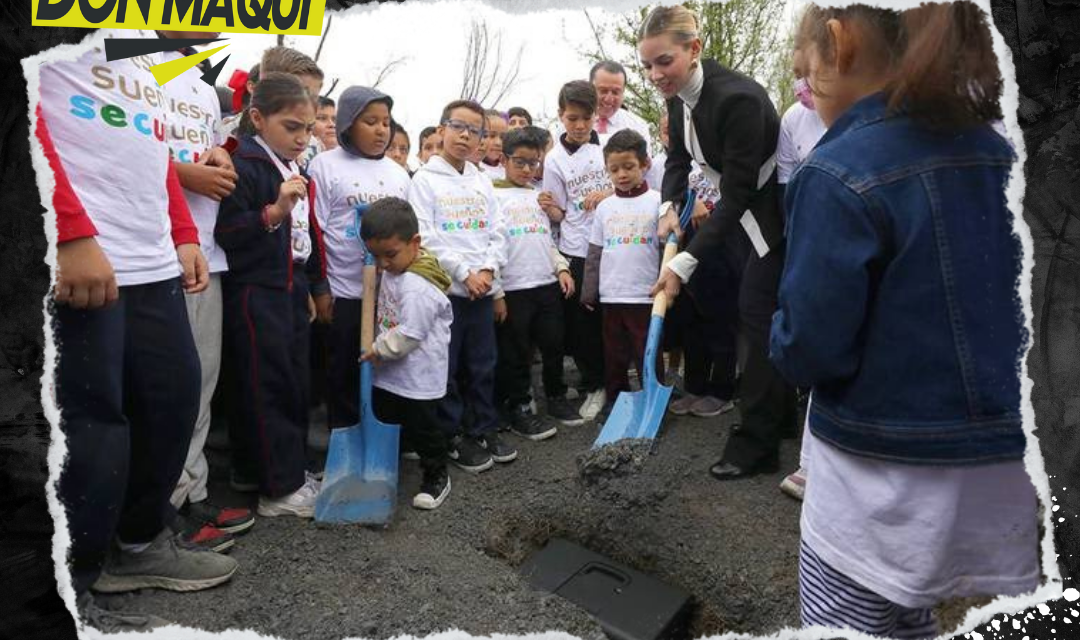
(349, 107)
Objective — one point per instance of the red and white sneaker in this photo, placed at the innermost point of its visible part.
(230, 520)
(199, 536)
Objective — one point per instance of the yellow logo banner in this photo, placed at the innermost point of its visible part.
(292, 17)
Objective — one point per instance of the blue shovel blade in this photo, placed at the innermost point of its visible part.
(360, 481)
(639, 414)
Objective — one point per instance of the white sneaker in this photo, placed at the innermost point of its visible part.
(299, 503)
(594, 402)
(795, 484)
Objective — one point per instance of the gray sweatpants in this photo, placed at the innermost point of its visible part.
(204, 313)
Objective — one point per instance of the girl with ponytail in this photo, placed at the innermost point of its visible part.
(898, 306)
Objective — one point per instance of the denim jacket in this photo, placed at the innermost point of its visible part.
(898, 303)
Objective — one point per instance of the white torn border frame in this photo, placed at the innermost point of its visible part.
(975, 618)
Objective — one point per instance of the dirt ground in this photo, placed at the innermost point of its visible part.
(732, 545)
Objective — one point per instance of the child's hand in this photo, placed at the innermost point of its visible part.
(500, 311)
(700, 214)
(595, 198)
(475, 286)
(370, 356)
(217, 157)
(547, 202)
(196, 272)
(84, 278)
(291, 191)
(324, 308)
(213, 182)
(566, 282)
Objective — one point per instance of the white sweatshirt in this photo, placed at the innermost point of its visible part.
(343, 181)
(460, 220)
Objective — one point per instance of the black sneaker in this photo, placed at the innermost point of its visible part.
(500, 450)
(567, 412)
(433, 490)
(529, 425)
(467, 453)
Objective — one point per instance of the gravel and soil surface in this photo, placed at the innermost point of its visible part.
(732, 545)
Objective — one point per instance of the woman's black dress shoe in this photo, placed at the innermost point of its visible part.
(724, 470)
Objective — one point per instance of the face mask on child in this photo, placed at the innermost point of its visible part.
(804, 93)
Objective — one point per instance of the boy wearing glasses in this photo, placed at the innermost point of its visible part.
(462, 225)
(536, 280)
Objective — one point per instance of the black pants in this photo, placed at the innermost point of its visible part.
(469, 404)
(421, 430)
(766, 401)
(128, 387)
(343, 346)
(711, 321)
(534, 317)
(584, 332)
(269, 345)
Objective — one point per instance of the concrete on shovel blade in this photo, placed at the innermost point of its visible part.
(360, 481)
(636, 414)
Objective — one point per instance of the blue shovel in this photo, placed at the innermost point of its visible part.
(638, 414)
(361, 477)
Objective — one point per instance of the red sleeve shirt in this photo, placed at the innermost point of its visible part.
(184, 230)
(72, 222)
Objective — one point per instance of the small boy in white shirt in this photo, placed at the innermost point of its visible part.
(461, 223)
(411, 350)
(536, 280)
(623, 263)
(349, 177)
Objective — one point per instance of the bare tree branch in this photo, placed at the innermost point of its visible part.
(322, 38)
(387, 70)
(596, 35)
(487, 75)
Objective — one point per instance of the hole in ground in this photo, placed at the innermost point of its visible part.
(525, 534)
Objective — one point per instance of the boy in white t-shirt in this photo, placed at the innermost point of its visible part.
(623, 262)
(206, 172)
(348, 180)
(575, 181)
(462, 225)
(411, 350)
(536, 280)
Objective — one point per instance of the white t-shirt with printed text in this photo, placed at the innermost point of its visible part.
(416, 308)
(529, 261)
(569, 178)
(108, 121)
(344, 182)
(195, 118)
(625, 228)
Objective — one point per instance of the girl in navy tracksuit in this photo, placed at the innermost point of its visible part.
(272, 239)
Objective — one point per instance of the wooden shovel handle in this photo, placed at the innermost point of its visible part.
(659, 305)
(367, 310)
